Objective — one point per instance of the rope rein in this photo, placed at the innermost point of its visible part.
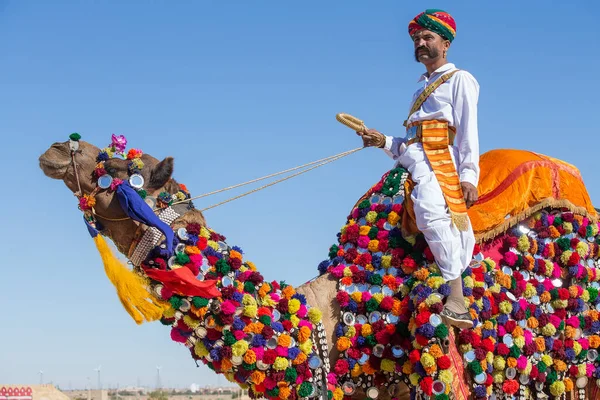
(346, 119)
(312, 165)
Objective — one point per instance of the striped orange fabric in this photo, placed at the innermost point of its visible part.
(435, 140)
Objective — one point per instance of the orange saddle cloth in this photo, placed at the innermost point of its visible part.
(514, 184)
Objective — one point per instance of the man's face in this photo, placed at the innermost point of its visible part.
(429, 46)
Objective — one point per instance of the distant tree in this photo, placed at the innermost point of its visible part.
(159, 395)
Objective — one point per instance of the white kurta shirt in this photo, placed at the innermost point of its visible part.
(454, 101)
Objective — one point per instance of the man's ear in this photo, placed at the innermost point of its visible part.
(161, 173)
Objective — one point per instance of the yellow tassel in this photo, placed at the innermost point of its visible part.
(131, 287)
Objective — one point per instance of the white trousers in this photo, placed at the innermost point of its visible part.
(452, 249)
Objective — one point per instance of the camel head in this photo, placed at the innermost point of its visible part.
(83, 168)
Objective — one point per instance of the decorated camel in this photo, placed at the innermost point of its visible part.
(369, 325)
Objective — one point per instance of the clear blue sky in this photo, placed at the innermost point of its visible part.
(235, 90)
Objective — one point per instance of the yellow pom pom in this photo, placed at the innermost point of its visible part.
(388, 365)
(293, 306)
(386, 261)
(557, 388)
(445, 376)
(414, 379)
(338, 394)
(523, 244)
(371, 217)
(549, 330)
(239, 348)
(280, 363)
(200, 350)
(427, 360)
(546, 359)
(250, 311)
(306, 347)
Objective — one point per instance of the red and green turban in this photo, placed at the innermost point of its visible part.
(437, 21)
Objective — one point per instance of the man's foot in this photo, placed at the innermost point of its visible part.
(461, 321)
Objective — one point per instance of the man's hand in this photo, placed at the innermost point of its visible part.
(470, 193)
(372, 138)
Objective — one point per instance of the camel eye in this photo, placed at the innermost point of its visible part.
(111, 171)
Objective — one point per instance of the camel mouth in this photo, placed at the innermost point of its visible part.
(55, 161)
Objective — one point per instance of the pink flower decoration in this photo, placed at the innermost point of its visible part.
(510, 258)
(227, 307)
(331, 378)
(304, 323)
(119, 143)
(302, 311)
(259, 351)
(196, 259)
(522, 363)
(115, 183)
(501, 331)
(382, 235)
(281, 351)
(528, 336)
(363, 241)
(239, 335)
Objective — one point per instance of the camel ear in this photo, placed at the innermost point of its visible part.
(161, 173)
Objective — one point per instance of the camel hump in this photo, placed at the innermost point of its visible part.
(514, 184)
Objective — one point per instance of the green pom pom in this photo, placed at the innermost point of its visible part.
(364, 204)
(475, 367)
(581, 321)
(249, 367)
(175, 302)
(593, 293)
(373, 233)
(249, 287)
(75, 136)
(329, 395)
(199, 302)
(564, 243)
(165, 321)
(372, 305)
(583, 354)
(222, 267)
(142, 193)
(376, 279)
(442, 396)
(441, 331)
(333, 251)
(541, 367)
(558, 221)
(305, 389)
(228, 338)
(182, 258)
(371, 340)
(551, 377)
(515, 352)
(291, 375)
(265, 319)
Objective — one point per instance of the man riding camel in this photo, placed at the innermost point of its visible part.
(441, 152)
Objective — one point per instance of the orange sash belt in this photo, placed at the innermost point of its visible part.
(436, 136)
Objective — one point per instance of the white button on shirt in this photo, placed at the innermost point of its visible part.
(454, 101)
